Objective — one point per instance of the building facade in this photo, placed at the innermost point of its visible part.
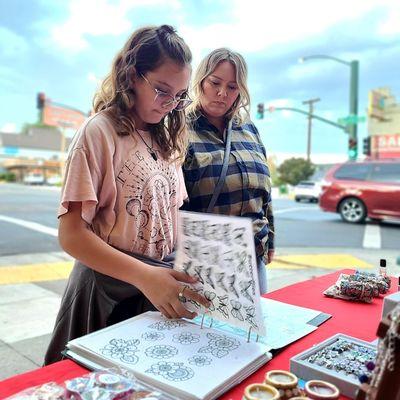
(384, 124)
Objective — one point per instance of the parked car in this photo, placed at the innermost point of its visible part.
(357, 190)
(54, 180)
(307, 190)
(34, 179)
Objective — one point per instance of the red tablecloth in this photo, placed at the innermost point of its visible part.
(355, 319)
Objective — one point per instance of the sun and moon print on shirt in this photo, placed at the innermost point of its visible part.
(149, 187)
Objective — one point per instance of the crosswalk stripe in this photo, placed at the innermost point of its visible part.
(30, 225)
(372, 237)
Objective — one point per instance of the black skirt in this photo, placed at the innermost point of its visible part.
(92, 301)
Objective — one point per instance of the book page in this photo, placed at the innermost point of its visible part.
(175, 352)
(285, 323)
(219, 251)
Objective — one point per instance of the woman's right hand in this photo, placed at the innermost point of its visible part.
(162, 287)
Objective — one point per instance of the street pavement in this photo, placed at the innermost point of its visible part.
(31, 287)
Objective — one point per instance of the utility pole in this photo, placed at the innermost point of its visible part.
(310, 116)
(353, 109)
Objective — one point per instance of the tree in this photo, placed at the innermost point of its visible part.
(294, 170)
(273, 170)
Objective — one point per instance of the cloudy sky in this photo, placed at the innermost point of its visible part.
(64, 47)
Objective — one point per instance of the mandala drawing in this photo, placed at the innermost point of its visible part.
(199, 360)
(122, 349)
(153, 336)
(172, 371)
(186, 338)
(167, 325)
(161, 351)
(236, 306)
(219, 345)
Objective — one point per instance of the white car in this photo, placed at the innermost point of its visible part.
(33, 179)
(54, 180)
(307, 190)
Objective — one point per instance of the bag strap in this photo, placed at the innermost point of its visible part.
(224, 169)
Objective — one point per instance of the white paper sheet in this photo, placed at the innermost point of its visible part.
(219, 251)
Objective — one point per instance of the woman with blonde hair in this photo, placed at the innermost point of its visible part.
(226, 168)
(122, 190)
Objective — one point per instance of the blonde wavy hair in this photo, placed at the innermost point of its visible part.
(240, 110)
(146, 50)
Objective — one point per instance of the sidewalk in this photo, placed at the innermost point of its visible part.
(31, 287)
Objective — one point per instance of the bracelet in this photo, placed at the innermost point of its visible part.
(321, 390)
(258, 391)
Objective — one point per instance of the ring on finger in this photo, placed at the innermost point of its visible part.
(181, 296)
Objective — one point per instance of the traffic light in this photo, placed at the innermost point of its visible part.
(352, 150)
(260, 111)
(40, 100)
(367, 146)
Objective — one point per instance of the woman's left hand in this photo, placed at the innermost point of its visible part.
(270, 255)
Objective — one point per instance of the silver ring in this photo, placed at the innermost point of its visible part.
(181, 296)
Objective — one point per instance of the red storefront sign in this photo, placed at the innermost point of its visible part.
(386, 146)
(58, 115)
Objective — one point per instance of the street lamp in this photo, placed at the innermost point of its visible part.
(353, 104)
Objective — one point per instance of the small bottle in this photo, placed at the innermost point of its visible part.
(382, 267)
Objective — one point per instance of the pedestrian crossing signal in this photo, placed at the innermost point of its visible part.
(260, 111)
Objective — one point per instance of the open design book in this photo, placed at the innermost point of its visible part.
(178, 357)
(191, 359)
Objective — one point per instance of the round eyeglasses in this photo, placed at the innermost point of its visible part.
(166, 99)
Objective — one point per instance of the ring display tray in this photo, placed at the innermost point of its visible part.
(339, 360)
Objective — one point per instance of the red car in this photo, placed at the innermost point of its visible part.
(357, 190)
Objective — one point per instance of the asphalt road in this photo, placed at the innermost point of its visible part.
(28, 224)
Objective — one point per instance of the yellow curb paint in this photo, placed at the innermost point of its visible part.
(328, 261)
(35, 272)
(61, 270)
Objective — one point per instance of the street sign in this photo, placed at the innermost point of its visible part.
(351, 120)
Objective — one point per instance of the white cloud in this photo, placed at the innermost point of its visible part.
(391, 26)
(90, 17)
(11, 44)
(96, 18)
(256, 25)
(9, 127)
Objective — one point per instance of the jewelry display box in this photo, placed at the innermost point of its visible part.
(340, 360)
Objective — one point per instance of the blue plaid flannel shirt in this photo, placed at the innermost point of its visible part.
(247, 188)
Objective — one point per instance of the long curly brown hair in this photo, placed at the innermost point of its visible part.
(145, 51)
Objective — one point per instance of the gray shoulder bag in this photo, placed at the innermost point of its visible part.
(224, 169)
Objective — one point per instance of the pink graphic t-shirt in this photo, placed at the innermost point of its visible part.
(130, 200)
